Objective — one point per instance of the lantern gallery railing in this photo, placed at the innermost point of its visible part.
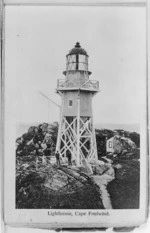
(91, 85)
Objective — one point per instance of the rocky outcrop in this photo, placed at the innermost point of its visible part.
(124, 189)
(30, 142)
(51, 187)
(40, 184)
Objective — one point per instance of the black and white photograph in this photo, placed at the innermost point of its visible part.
(75, 109)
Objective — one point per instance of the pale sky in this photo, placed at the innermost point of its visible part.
(37, 40)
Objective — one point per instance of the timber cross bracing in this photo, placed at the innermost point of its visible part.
(68, 139)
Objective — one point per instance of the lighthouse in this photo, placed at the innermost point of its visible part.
(76, 133)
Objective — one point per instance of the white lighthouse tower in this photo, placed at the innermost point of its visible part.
(76, 133)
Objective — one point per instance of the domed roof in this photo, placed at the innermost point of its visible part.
(77, 50)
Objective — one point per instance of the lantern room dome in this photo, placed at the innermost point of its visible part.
(77, 50)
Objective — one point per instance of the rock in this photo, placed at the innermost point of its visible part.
(124, 189)
(40, 184)
(49, 186)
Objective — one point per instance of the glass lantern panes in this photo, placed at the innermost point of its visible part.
(77, 62)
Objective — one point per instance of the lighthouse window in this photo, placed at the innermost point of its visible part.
(82, 58)
(70, 103)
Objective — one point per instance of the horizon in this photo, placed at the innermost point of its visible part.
(23, 127)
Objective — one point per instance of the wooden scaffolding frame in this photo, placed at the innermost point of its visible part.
(77, 135)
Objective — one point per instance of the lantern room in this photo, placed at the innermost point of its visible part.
(77, 60)
(77, 73)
